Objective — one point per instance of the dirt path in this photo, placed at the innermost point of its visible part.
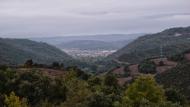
(52, 72)
(119, 71)
(122, 81)
(134, 70)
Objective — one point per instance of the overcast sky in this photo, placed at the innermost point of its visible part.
(41, 18)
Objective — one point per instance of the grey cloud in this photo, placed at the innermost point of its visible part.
(169, 15)
(24, 18)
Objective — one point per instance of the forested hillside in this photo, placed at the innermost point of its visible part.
(173, 41)
(178, 78)
(17, 51)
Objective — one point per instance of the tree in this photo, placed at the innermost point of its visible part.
(127, 71)
(3, 67)
(175, 97)
(111, 80)
(142, 91)
(177, 57)
(6, 77)
(94, 81)
(45, 104)
(105, 91)
(56, 65)
(29, 63)
(77, 92)
(147, 67)
(14, 101)
(99, 100)
(161, 63)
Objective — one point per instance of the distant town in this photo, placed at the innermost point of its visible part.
(88, 53)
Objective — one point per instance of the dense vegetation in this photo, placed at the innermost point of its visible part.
(33, 88)
(173, 41)
(178, 78)
(98, 64)
(147, 67)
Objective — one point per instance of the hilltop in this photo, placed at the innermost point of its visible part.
(173, 41)
(17, 51)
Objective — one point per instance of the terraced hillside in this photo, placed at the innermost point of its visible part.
(173, 73)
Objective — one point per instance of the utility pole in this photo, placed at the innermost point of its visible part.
(161, 52)
(161, 63)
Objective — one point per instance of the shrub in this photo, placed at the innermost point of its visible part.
(147, 67)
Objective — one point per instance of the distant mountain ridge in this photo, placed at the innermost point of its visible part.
(17, 51)
(174, 40)
(98, 37)
(93, 45)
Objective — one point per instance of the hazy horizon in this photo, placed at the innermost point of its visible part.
(47, 18)
(75, 35)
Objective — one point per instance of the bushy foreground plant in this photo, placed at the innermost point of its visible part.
(71, 90)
